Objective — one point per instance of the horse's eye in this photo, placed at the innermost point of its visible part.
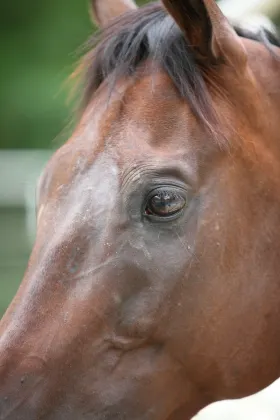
(165, 203)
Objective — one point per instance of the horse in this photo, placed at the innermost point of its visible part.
(153, 286)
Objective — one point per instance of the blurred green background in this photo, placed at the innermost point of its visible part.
(40, 45)
(39, 48)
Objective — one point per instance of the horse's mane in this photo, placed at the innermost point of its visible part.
(149, 32)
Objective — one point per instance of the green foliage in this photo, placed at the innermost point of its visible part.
(39, 48)
(38, 43)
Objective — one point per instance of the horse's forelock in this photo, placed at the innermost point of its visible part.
(150, 33)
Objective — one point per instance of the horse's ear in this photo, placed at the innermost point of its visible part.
(103, 11)
(208, 31)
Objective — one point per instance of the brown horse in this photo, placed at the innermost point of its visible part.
(153, 287)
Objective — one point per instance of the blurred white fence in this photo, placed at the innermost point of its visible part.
(19, 171)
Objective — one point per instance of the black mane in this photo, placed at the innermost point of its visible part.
(149, 32)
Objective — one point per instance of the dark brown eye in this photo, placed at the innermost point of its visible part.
(165, 203)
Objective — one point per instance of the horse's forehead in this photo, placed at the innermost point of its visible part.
(141, 119)
(154, 100)
(153, 117)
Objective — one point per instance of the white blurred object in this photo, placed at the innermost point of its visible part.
(251, 14)
(254, 22)
(238, 9)
(265, 405)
